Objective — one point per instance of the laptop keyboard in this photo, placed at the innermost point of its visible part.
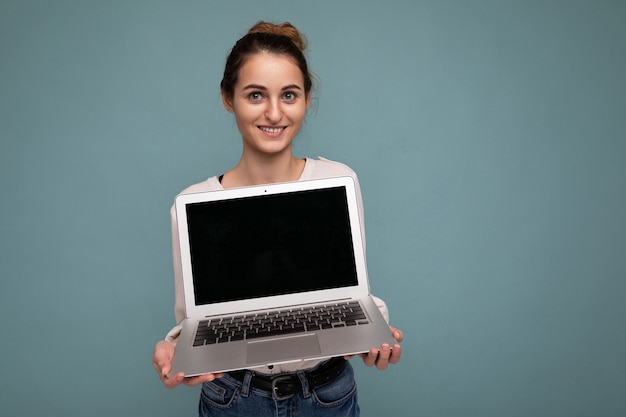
(279, 322)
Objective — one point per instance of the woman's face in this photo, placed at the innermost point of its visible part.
(269, 103)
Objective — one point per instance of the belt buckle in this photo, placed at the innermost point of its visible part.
(276, 390)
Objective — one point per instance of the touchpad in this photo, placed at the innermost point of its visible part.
(283, 350)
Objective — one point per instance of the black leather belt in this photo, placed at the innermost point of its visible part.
(284, 386)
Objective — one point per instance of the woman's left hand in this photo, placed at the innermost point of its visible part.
(385, 355)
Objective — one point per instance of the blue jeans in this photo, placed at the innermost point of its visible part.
(227, 397)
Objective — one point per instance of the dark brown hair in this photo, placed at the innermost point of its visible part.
(283, 39)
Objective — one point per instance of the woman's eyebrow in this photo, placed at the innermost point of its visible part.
(254, 87)
(292, 87)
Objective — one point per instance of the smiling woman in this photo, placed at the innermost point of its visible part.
(269, 103)
(267, 85)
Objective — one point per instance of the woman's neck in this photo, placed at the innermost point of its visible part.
(264, 169)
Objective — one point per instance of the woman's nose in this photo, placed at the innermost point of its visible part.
(273, 112)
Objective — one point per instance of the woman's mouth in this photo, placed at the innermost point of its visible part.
(272, 130)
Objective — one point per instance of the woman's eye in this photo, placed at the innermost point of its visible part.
(289, 96)
(255, 96)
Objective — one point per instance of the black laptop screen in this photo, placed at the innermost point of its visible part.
(270, 245)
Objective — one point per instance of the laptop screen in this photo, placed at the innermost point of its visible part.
(269, 245)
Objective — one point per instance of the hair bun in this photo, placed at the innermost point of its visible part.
(284, 29)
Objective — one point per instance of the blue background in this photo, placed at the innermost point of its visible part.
(489, 138)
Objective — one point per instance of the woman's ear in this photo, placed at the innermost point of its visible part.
(227, 103)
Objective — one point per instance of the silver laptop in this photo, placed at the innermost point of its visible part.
(273, 274)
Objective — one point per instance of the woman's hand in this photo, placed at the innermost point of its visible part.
(385, 355)
(162, 363)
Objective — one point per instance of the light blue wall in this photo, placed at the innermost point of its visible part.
(489, 137)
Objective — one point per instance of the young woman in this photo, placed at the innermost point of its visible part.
(267, 86)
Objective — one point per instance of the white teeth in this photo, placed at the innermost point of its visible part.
(271, 129)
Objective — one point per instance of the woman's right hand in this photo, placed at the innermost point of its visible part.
(162, 363)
